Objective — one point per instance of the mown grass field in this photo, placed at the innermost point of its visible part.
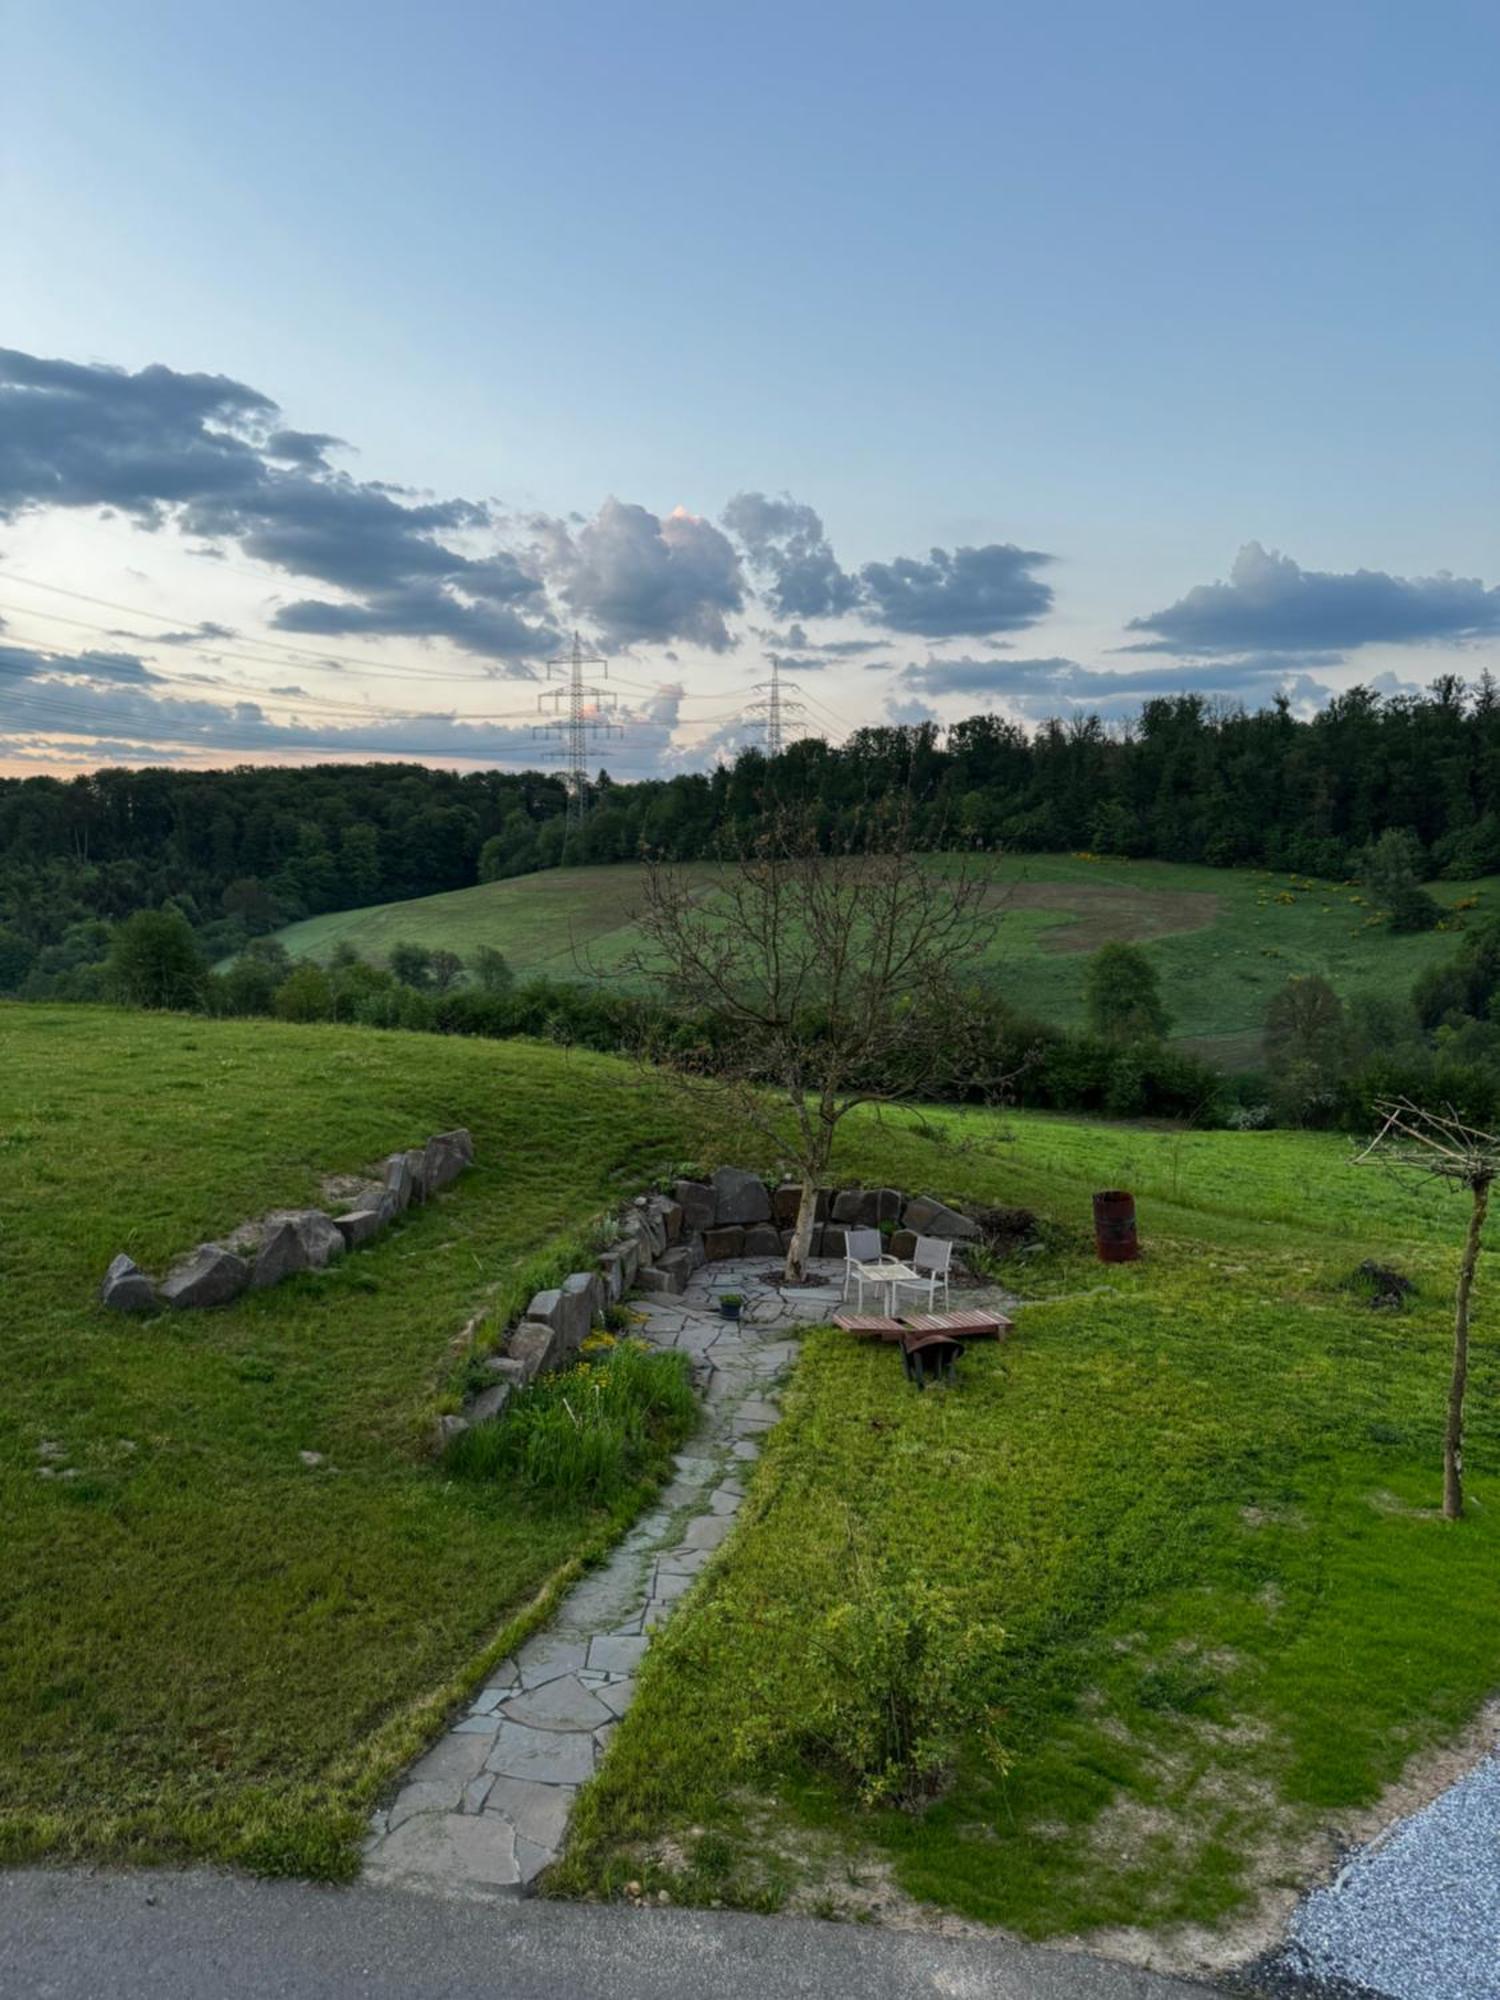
(1222, 940)
(1198, 1496)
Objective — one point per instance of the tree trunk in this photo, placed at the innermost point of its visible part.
(807, 1209)
(1453, 1436)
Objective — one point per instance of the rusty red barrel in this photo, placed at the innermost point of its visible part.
(1114, 1227)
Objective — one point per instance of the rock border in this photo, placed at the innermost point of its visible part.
(662, 1239)
(286, 1240)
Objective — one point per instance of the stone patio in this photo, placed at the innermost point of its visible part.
(486, 1808)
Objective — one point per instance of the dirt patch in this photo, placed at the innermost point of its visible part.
(1285, 1868)
(1096, 913)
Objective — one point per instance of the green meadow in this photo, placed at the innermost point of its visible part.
(1222, 940)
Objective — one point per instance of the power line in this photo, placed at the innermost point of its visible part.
(304, 655)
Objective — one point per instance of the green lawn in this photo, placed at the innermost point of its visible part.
(1222, 939)
(1195, 1494)
(212, 1648)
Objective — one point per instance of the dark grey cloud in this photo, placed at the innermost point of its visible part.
(308, 449)
(958, 592)
(205, 629)
(784, 542)
(22, 663)
(639, 577)
(1271, 604)
(209, 455)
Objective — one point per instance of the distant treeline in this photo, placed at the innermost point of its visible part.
(244, 851)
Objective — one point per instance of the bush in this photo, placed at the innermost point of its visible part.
(1122, 996)
(589, 1433)
(305, 995)
(900, 1677)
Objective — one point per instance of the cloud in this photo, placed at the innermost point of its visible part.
(958, 592)
(207, 454)
(44, 697)
(23, 663)
(1040, 688)
(305, 448)
(204, 629)
(785, 542)
(909, 713)
(1272, 604)
(638, 577)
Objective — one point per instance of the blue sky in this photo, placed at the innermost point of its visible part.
(1119, 290)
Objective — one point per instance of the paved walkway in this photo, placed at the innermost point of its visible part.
(487, 1808)
(76, 1934)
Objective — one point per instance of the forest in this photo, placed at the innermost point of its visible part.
(243, 851)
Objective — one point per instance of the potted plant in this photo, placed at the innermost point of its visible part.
(730, 1303)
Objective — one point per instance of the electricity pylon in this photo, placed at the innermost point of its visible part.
(579, 718)
(774, 711)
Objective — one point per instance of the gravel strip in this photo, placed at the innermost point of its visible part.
(1415, 1915)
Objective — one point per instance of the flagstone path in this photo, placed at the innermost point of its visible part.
(487, 1807)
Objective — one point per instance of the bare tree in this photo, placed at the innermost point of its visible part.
(823, 981)
(1439, 1146)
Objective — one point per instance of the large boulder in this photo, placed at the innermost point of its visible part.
(400, 1182)
(318, 1234)
(739, 1198)
(786, 1200)
(533, 1346)
(207, 1276)
(930, 1217)
(416, 1165)
(488, 1404)
(282, 1252)
(670, 1274)
(696, 1200)
(671, 1213)
(360, 1224)
(720, 1243)
(867, 1208)
(612, 1271)
(444, 1158)
(582, 1294)
(127, 1288)
(762, 1240)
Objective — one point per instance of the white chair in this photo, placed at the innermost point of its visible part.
(863, 1255)
(932, 1260)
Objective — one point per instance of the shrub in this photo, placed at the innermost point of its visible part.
(589, 1433)
(899, 1677)
(1122, 996)
(305, 995)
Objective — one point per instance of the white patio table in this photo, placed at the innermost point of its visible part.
(884, 1276)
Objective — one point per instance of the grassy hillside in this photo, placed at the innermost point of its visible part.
(212, 1647)
(1196, 1495)
(1222, 939)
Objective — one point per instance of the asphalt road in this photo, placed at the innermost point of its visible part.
(75, 1935)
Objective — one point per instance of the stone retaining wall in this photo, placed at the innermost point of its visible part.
(663, 1239)
(264, 1251)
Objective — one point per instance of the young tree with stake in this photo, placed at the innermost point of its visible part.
(1438, 1145)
